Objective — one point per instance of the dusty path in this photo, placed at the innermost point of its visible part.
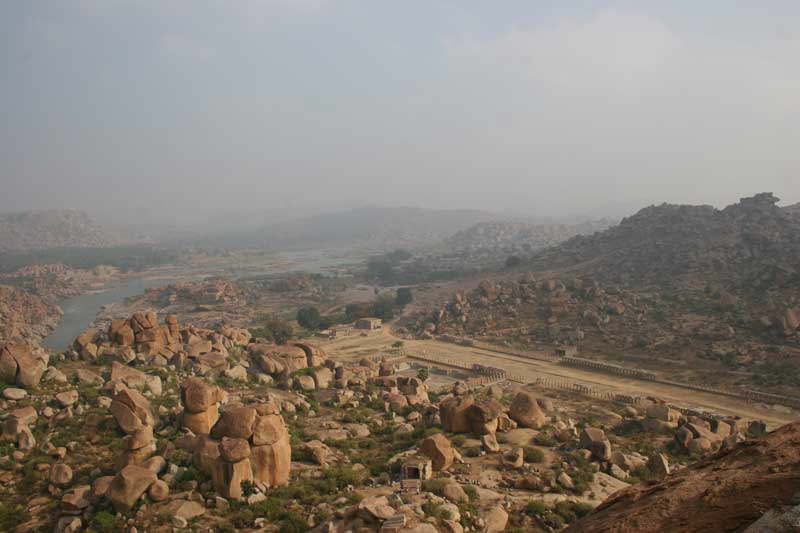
(355, 347)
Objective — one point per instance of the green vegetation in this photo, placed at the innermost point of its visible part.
(274, 330)
(126, 258)
(106, 522)
(404, 296)
(309, 318)
(11, 516)
(533, 455)
(513, 261)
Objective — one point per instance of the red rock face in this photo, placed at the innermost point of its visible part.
(724, 493)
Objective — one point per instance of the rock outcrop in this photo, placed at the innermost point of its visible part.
(725, 492)
(22, 365)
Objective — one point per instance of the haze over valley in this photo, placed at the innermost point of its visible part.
(425, 267)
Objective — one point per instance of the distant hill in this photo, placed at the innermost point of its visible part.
(793, 210)
(367, 228)
(51, 228)
(752, 240)
(523, 236)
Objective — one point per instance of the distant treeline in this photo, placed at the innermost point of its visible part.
(126, 258)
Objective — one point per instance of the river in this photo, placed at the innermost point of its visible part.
(81, 311)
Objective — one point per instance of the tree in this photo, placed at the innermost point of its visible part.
(274, 330)
(423, 374)
(404, 296)
(513, 261)
(308, 317)
(383, 307)
(397, 344)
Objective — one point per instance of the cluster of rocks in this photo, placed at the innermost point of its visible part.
(694, 434)
(134, 415)
(142, 339)
(242, 443)
(207, 292)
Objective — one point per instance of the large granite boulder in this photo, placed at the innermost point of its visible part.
(439, 450)
(525, 411)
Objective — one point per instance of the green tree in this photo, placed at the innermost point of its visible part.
(274, 330)
(383, 307)
(423, 374)
(513, 261)
(308, 317)
(404, 296)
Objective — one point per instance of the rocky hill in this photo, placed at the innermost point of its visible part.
(727, 492)
(25, 317)
(521, 236)
(751, 243)
(51, 228)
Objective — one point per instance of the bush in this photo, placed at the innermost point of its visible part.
(11, 516)
(543, 439)
(274, 330)
(106, 522)
(533, 455)
(571, 511)
(535, 508)
(308, 317)
(471, 491)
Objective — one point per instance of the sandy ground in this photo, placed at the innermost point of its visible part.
(357, 346)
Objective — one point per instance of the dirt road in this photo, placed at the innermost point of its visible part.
(356, 347)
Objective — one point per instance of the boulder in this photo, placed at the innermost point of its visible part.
(131, 410)
(128, 486)
(595, 440)
(658, 465)
(235, 422)
(439, 450)
(455, 415)
(60, 474)
(20, 366)
(495, 519)
(525, 411)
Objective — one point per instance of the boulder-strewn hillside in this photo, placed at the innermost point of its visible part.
(726, 492)
(751, 242)
(519, 235)
(51, 228)
(25, 317)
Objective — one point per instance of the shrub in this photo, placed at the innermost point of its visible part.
(11, 516)
(106, 522)
(535, 508)
(471, 491)
(533, 455)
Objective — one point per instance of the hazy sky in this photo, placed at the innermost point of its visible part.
(544, 107)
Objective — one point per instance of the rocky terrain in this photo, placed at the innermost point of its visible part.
(711, 295)
(724, 492)
(154, 425)
(518, 237)
(25, 317)
(751, 246)
(52, 228)
(29, 297)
